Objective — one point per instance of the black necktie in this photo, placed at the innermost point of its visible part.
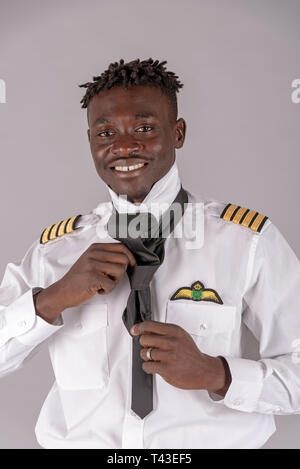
(149, 254)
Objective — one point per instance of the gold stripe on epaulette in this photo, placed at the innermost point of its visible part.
(52, 234)
(69, 226)
(248, 218)
(258, 221)
(44, 237)
(237, 217)
(59, 229)
(244, 216)
(229, 212)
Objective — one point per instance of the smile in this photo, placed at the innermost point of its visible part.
(129, 168)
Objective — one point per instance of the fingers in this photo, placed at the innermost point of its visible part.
(156, 355)
(153, 340)
(112, 252)
(154, 367)
(155, 327)
(114, 271)
(103, 284)
(110, 256)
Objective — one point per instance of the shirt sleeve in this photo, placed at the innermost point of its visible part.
(21, 330)
(272, 313)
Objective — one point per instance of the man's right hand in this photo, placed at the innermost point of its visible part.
(98, 270)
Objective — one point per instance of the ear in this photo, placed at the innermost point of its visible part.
(180, 131)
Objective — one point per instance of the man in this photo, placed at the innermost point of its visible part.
(177, 379)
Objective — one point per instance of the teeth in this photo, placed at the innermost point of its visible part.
(129, 168)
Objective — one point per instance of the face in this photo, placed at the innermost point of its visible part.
(133, 136)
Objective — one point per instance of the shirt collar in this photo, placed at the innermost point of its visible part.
(162, 194)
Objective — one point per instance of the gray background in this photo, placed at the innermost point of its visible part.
(237, 59)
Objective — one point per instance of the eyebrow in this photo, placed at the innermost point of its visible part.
(104, 120)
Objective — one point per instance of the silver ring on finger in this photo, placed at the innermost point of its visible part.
(148, 354)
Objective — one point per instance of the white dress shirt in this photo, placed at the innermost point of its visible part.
(257, 275)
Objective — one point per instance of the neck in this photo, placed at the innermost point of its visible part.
(163, 191)
(137, 201)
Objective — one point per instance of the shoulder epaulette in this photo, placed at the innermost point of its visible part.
(244, 216)
(59, 229)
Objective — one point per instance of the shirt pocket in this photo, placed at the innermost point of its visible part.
(210, 325)
(78, 351)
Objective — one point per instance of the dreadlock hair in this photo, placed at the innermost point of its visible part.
(137, 72)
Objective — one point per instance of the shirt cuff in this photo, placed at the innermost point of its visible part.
(20, 320)
(246, 386)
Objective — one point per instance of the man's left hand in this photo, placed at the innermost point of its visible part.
(177, 359)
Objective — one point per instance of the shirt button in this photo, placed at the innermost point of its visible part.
(237, 402)
(21, 324)
(203, 326)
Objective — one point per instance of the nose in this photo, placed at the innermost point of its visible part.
(126, 145)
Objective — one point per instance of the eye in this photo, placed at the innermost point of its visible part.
(101, 134)
(144, 127)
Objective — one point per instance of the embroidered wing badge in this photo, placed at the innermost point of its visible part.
(197, 292)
